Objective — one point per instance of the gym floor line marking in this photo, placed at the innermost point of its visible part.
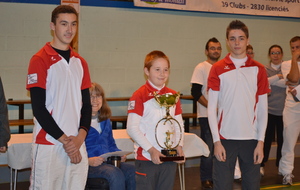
(282, 186)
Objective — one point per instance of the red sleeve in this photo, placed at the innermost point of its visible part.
(86, 81)
(136, 104)
(37, 73)
(263, 83)
(213, 79)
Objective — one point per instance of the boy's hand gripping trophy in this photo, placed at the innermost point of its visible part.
(169, 148)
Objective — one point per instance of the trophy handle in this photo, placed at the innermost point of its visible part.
(168, 119)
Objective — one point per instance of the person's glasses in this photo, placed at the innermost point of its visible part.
(276, 53)
(96, 97)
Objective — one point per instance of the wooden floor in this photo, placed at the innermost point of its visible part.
(192, 178)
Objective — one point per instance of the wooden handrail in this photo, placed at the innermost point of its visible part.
(16, 122)
(21, 121)
(18, 102)
(117, 99)
(186, 97)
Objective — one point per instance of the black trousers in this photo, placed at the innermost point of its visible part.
(223, 172)
(275, 126)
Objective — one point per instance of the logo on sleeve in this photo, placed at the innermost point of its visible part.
(32, 78)
(131, 105)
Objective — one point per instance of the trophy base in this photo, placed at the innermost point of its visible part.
(171, 158)
(171, 155)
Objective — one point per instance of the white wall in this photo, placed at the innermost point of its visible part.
(114, 41)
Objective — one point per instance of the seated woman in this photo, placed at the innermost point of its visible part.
(100, 141)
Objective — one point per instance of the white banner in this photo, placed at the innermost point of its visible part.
(282, 8)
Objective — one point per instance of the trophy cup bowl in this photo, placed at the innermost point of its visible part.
(169, 149)
(167, 100)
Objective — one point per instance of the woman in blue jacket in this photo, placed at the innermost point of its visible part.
(100, 141)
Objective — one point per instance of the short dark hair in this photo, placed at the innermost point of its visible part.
(294, 39)
(215, 40)
(273, 46)
(62, 9)
(237, 25)
(249, 47)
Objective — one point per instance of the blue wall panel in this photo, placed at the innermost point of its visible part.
(99, 3)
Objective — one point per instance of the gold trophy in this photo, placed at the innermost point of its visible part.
(168, 123)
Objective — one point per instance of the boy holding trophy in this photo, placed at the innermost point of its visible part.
(154, 120)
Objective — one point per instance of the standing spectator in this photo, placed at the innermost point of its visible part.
(143, 115)
(250, 51)
(213, 51)
(291, 112)
(237, 112)
(59, 81)
(276, 101)
(100, 141)
(4, 125)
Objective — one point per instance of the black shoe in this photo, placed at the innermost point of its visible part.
(207, 184)
(239, 180)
